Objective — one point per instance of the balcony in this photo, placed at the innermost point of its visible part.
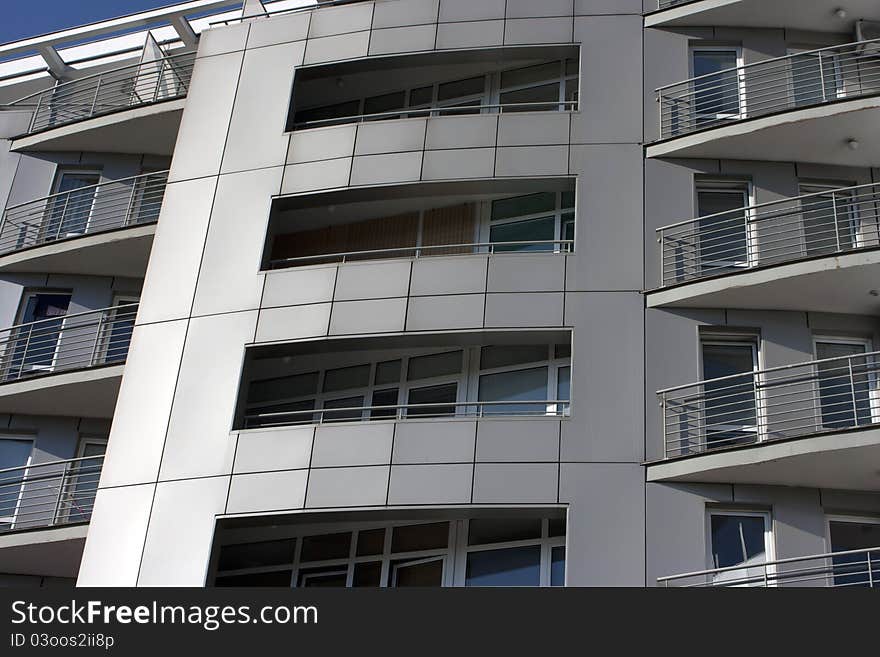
(815, 252)
(102, 230)
(850, 568)
(130, 109)
(44, 509)
(422, 221)
(811, 424)
(817, 15)
(67, 365)
(816, 106)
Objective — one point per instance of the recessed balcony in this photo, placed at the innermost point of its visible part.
(421, 221)
(814, 424)
(815, 106)
(132, 109)
(816, 252)
(103, 230)
(43, 511)
(485, 81)
(66, 365)
(847, 568)
(816, 15)
(399, 379)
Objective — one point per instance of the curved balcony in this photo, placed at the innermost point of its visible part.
(817, 15)
(811, 106)
(134, 93)
(104, 229)
(812, 424)
(821, 247)
(44, 509)
(859, 568)
(68, 365)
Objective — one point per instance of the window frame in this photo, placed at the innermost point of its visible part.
(873, 392)
(741, 83)
(769, 538)
(833, 188)
(558, 214)
(57, 182)
(727, 186)
(839, 81)
(10, 520)
(453, 554)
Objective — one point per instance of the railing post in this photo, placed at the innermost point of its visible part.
(127, 219)
(63, 215)
(852, 387)
(31, 127)
(836, 220)
(27, 345)
(662, 258)
(870, 572)
(822, 77)
(159, 79)
(60, 494)
(95, 99)
(663, 422)
(100, 326)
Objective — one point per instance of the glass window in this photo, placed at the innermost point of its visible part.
(505, 355)
(737, 540)
(329, 577)
(528, 232)
(533, 99)
(499, 530)
(353, 406)
(274, 579)
(461, 88)
(298, 385)
(433, 365)
(347, 378)
(388, 372)
(385, 103)
(326, 546)
(421, 96)
(413, 538)
(254, 555)
(716, 92)
(557, 566)
(370, 542)
(443, 394)
(847, 535)
(723, 236)
(519, 206)
(830, 218)
(730, 404)
(14, 452)
(844, 384)
(340, 110)
(557, 526)
(530, 75)
(563, 385)
(424, 572)
(367, 574)
(519, 385)
(519, 566)
(385, 398)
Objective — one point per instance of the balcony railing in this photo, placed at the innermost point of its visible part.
(488, 248)
(768, 87)
(823, 223)
(69, 342)
(858, 568)
(793, 401)
(49, 494)
(83, 211)
(112, 91)
(474, 409)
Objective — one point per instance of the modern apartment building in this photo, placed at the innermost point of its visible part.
(443, 293)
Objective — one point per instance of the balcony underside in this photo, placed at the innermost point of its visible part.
(847, 460)
(82, 393)
(818, 134)
(817, 15)
(836, 284)
(52, 552)
(124, 252)
(150, 129)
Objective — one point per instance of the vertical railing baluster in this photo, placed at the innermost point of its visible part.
(822, 77)
(95, 98)
(33, 124)
(852, 386)
(57, 510)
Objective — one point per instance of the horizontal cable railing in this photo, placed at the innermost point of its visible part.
(792, 401)
(774, 85)
(67, 342)
(849, 568)
(83, 211)
(822, 223)
(111, 91)
(482, 108)
(49, 494)
(541, 246)
(472, 409)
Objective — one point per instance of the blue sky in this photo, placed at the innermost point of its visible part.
(22, 19)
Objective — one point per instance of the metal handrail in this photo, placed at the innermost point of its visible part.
(791, 401)
(282, 12)
(110, 91)
(436, 110)
(83, 211)
(68, 342)
(820, 223)
(400, 412)
(559, 246)
(49, 494)
(842, 568)
(770, 86)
